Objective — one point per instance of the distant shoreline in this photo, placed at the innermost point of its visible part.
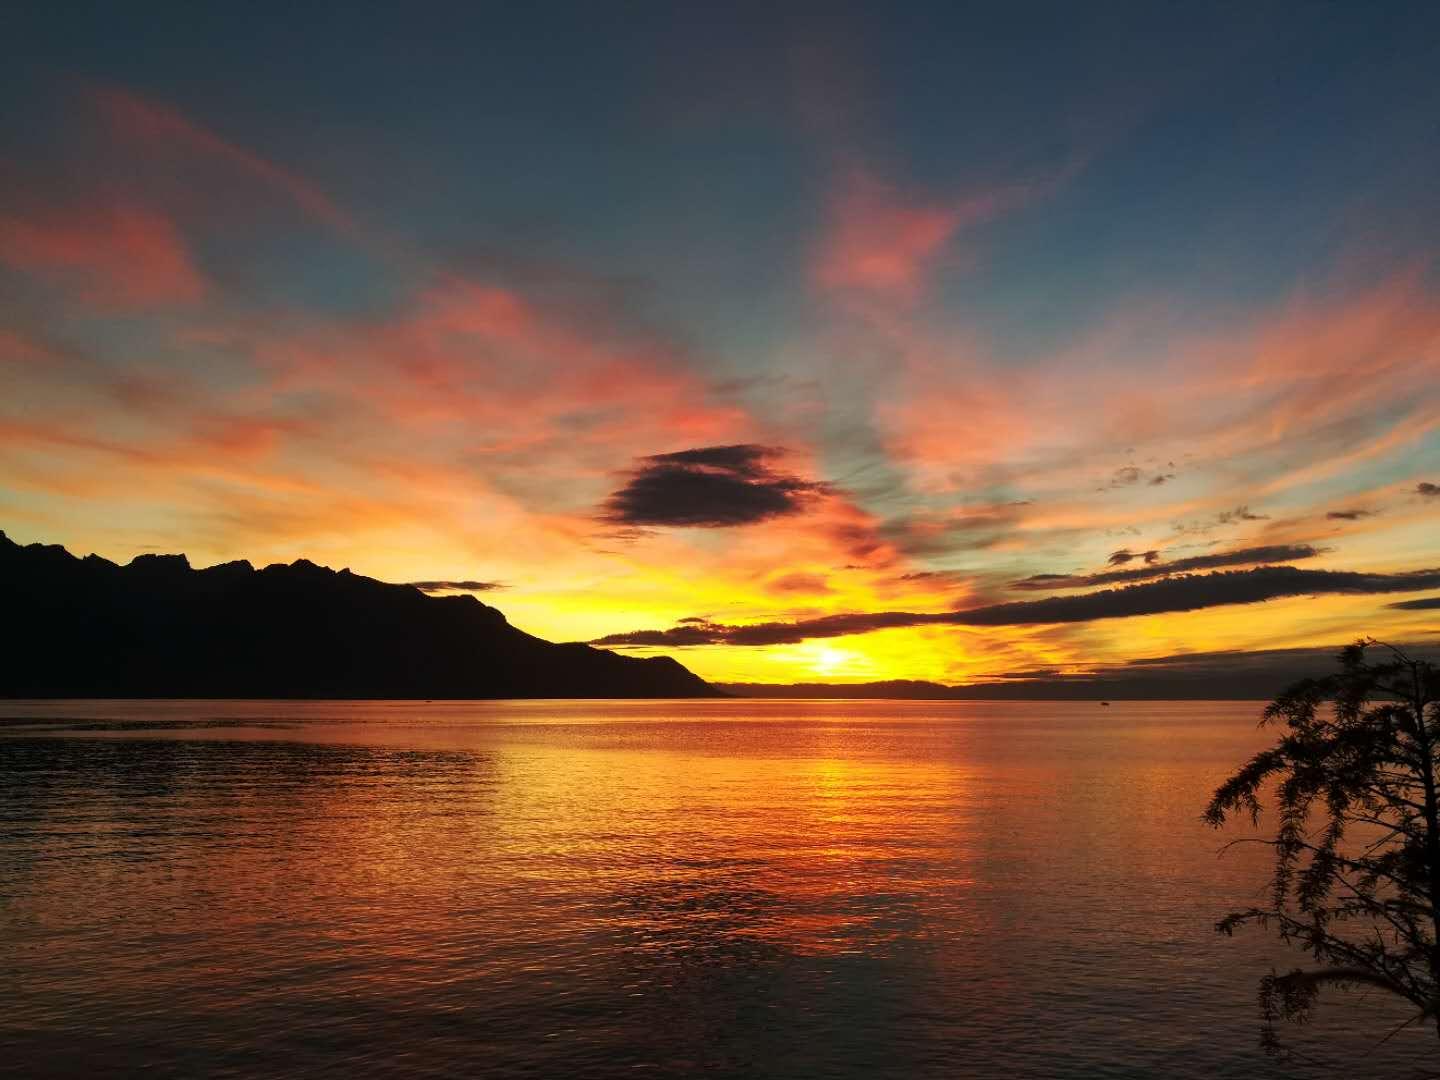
(729, 697)
(982, 692)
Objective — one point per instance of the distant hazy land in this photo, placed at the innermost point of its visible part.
(1212, 676)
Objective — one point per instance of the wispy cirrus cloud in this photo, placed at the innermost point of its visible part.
(883, 244)
(160, 126)
(1313, 389)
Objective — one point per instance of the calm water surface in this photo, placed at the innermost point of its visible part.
(562, 889)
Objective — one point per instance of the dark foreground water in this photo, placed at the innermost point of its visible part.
(552, 889)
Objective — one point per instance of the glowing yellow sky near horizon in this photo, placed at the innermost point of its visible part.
(943, 654)
(472, 427)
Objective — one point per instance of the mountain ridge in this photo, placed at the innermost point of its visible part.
(157, 627)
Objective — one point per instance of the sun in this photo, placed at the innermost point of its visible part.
(828, 660)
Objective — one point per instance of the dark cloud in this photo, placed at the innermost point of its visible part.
(945, 576)
(1124, 477)
(1349, 515)
(736, 458)
(1272, 553)
(1240, 513)
(1130, 475)
(677, 637)
(1125, 555)
(708, 487)
(1188, 592)
(1059, 581)
(774, 633)
(1426, 488)
(1425, 603)
(455, 586)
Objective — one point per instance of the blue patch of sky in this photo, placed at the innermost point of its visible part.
(662, 150)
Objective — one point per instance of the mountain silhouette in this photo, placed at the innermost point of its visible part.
(156, 627)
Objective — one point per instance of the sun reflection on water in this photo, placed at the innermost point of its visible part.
(735, 888)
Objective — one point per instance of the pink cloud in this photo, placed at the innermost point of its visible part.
(1303, 394)
(882, 244)
(487, 364)
(155, 123)
(122, 257)
(18, 349)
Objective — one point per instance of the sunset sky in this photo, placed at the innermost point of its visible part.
(938, 342)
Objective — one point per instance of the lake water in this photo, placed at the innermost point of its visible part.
(594, 889)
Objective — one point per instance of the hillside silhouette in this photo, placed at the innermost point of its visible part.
(88, 627)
